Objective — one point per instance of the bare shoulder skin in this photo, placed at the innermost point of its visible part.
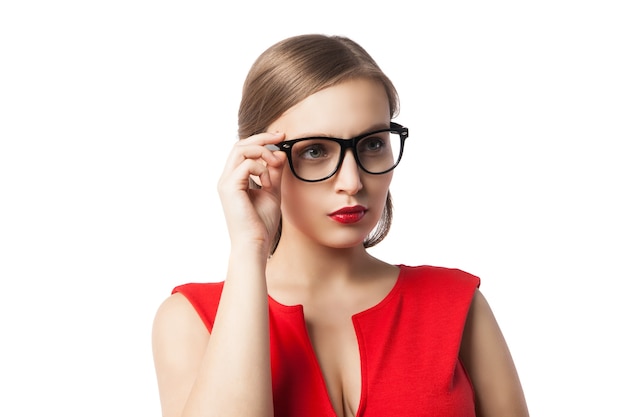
(486, 357)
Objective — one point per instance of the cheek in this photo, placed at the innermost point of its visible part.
(379, 184)
(295, 196)
(379, 188)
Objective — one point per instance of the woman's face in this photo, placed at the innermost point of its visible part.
(309, 210)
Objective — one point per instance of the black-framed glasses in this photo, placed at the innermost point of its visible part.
(314, 159)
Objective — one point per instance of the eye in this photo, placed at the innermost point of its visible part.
(371, 144)
(315, 150)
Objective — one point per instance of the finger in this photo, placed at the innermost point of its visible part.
(278, 158)
(254, 152)
(268, 175)
(254, 149)
(265, 138)
(275, 172)
(238, 178)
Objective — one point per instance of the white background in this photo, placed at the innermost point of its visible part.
(115, 118)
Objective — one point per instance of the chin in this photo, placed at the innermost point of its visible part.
(346, 246)
(345, 242)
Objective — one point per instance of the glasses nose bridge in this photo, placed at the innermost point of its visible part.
(348, 145)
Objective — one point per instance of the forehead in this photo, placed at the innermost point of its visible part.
(344, 110)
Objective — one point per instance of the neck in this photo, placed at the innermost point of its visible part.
(310, 266)
(308, 275)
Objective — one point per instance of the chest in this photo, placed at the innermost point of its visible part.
(334, 343)
(387, 366)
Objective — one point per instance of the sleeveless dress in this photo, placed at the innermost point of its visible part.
(408, 343)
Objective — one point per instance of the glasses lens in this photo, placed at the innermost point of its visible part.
(379, 152)
(314, 159)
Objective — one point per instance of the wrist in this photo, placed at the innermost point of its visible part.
(257, 251)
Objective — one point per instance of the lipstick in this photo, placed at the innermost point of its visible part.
(347, 215)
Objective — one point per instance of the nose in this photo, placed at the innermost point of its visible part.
(348, 178)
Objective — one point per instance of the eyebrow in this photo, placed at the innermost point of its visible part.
(373, 128)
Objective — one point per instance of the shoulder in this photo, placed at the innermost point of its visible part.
(177, 332)
(445, 294)
(189, 309)
(176, 315)
(200, 289)
(429, 275)
(203, 297)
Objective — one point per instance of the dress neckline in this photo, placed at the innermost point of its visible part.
(380, 304)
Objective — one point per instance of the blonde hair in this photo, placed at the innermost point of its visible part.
(297, 67)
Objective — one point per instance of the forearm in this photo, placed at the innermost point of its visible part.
(235, 374)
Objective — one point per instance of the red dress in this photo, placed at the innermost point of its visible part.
(409, 345)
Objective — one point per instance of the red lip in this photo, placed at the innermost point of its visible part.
(348, 215)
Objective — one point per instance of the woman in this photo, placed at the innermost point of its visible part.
(306, 321)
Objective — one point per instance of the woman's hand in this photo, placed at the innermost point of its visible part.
(252, 215)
